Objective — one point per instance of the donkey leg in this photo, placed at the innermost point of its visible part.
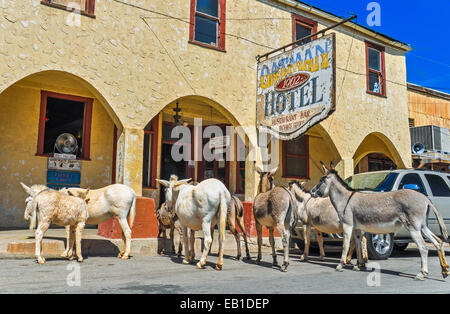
(439, 247)
(171, 234)
(186, 245)
(192, 246)
(307, 239)
(244, 235)
(70, 253)
(272, 244)
(39, 235)
(319, 238)
(259, 237)
(127, 232)
(237, 238)
(285, 235)
(357, 240)
(420, 242)
(345, 245)
(180, 233)
(79, 234)
(208, 241)
(66, 251)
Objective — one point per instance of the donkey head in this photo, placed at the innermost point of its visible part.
(322, 189)
(301, 195)
(266, 179)
(171, 189)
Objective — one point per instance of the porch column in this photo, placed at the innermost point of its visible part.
(129, 161)
(345, 167)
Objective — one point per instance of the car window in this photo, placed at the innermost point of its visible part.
(412, 178)
(438, 185)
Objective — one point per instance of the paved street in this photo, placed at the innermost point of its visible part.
(164, 274)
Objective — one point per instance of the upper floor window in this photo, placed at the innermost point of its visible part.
(208, 23)
(376, 82)
(85, 7)
(302, 27)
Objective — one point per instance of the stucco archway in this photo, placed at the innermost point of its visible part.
(23, 120)
(377, 142)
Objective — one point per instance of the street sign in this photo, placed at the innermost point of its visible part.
(63, 177)
(296, 89)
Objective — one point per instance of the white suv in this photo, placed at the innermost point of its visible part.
(435, 185)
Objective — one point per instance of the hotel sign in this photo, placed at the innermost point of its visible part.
(296, 89)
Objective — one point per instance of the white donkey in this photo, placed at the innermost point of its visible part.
(115, 200)
(51, 206)
(198, 208)
(382, 213)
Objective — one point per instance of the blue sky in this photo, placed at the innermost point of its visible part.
(421, 24)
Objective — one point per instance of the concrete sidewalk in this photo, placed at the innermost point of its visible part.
(21, 244)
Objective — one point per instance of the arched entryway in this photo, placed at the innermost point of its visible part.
(204, 120)
(33, 112)
(376, 152)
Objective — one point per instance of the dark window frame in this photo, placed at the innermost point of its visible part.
(381, 74)
(304, 156)
(154, 123)
(87, 122)
(90, 7)
(220, 27)
(308, 23)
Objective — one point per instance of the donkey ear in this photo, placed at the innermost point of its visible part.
(271, 173)
(184, 181)
(26, 188)
(303, 184)
(324, 168)
(163, 182)
(331, 165)
(258, 169)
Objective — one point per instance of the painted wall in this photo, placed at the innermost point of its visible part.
(19, 120)
(135, 66)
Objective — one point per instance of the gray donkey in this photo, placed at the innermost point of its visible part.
(382, 213)
(274, 207)
(320, 214)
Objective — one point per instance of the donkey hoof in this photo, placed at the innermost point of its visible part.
(356, 268)
(340, 268)
(80, 260)
(186, 262)
(258, 261)
(238, 257)
(120, 255)
(445, 273)
(219, 267)
(302, 258)
(321, 257)
(124, 257)
(199, 266)
(248, 258)
(284, 268)
(419, 277)
(41, 260)
(64, 254)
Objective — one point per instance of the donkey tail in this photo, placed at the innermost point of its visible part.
(440, 221)
(132, 212)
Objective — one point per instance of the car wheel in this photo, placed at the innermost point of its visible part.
(400, 246)
(379, 246)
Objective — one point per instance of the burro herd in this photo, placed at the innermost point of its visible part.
(330, 207)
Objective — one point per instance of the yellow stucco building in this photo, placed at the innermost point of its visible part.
(126, 65)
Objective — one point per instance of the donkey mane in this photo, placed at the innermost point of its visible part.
(295, 182)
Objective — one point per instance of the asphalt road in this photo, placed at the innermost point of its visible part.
(165, 274)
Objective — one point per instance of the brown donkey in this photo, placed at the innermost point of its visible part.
(168, 219)
(274, 207)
